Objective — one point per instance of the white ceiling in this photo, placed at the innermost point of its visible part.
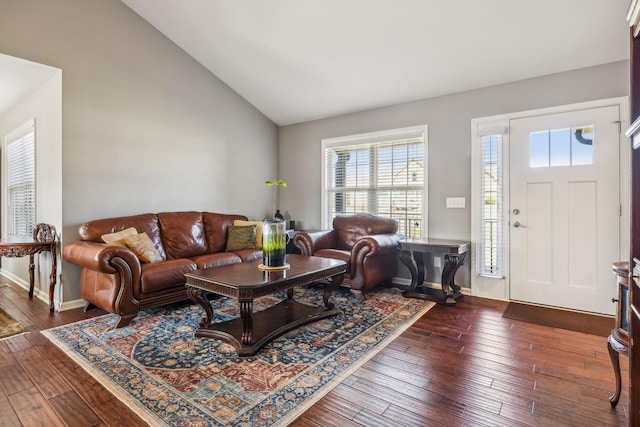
(300, 60)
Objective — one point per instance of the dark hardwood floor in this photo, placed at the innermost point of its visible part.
(462, 365)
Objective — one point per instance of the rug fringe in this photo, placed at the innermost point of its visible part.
(13, 336)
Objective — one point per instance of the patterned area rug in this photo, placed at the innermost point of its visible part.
(170, 378)
(9, 326)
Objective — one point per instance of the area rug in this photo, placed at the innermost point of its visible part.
(562, 319)
(9, 326)
(170, 378)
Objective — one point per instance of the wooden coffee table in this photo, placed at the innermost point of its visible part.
(245, 282)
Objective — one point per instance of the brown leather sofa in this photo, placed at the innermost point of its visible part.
(367, 243)
(114, 279)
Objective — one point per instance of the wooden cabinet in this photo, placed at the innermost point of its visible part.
(634, 260)
(618, 341)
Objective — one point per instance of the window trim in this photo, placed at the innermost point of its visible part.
(496, 283)
(482, 131)
(368, 138)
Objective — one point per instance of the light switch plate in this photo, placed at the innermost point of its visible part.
(455, 202)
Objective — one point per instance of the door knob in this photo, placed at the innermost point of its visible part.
(517, 224)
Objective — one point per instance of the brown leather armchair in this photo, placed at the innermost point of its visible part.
(367, 243)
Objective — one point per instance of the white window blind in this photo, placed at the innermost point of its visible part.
(21, 188)
(491, 244)
(382, 174)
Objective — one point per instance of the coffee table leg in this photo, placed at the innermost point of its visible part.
(246, 314)
(334, 283)
(199, 297)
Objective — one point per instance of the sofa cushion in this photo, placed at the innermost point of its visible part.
(215, 226)
(164, 275)
(217, 259)
(240, 237)
(117, 238)
(251, 254)
(258, 225)
(142, 246)
(336, 254)
(182, 234)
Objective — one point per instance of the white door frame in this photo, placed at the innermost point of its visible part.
(498, 287)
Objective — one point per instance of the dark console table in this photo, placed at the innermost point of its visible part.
(455, 253)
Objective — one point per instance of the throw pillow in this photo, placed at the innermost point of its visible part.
(143, 247)
(241, 237)
(118, 238)
(258, 225)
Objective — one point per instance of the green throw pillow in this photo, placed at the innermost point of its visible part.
(241, 237)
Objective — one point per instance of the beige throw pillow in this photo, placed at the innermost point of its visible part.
(143, 247)
(118, 238)
(241, 237)
(258, 225)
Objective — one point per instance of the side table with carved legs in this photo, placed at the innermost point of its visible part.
(19, 247)
(454, 253)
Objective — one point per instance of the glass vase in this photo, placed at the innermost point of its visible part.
(274, 243)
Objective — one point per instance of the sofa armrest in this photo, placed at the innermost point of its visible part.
(120, 271)
(311, 242)
(377, 244)
(99, 256)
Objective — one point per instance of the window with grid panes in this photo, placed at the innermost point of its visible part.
(382, 173)
(20, 180)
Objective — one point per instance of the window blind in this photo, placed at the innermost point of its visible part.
(383, 176)
(21, 191)
(491, 245)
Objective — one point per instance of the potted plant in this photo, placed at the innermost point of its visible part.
(274, 236)
(275, 184)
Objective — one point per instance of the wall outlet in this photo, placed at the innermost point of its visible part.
(455, 202)
(437, 262)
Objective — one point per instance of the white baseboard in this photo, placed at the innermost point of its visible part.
(71, 305)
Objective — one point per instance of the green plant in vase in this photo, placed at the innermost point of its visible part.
(275, 184)
(274, 237)
(274, 243)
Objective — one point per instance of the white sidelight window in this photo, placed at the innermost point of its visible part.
(489, 198)
(382, 173)
(20, 180)
(491, 243)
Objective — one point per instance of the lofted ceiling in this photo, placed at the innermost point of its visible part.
(301, 60)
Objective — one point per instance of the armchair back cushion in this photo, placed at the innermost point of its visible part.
(351, 228)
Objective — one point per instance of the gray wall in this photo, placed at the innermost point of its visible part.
(449, 120)
(145, 128)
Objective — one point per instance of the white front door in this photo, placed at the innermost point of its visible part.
(565, 208)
